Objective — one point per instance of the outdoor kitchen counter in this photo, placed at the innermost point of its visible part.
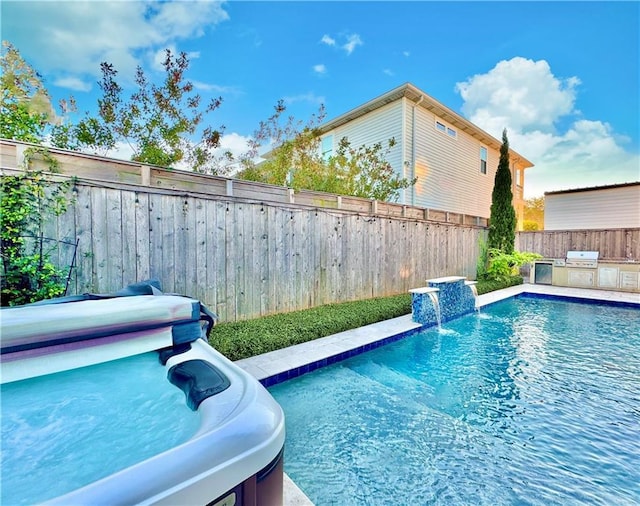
(605, 274)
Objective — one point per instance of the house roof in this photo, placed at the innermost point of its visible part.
(593, 188)
(419, 97)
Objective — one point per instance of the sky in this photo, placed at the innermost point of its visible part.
(562, 77)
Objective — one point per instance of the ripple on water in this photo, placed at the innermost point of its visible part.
(528, 402)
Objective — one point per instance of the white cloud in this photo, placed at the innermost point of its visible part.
(388, 72)
(121, 151)
(74, 37)
(406, 53)
(72, 83)
(310, 97)
(320, 68)
(233, 143)
(526, 98)
(329, 41)
(353, 41)
(348, 42)
(215, 88)
(524, 91)
(158, 58)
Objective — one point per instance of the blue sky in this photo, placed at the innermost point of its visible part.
(562, 77)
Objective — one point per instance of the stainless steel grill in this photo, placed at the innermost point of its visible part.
(582, 259)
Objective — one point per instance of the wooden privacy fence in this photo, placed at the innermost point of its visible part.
(621, 244)
(246, 259)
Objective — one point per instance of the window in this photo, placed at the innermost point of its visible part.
(327, 147)
(483, 160)
(441, 127)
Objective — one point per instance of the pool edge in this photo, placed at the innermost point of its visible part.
(281, 365)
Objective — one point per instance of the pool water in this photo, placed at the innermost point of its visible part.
(66, 430)
(532, 401)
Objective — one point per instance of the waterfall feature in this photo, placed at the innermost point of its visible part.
(443, 299)
(474, 291)
(425, 306)
(436, 306)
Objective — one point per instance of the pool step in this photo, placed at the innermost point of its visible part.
(403, 385)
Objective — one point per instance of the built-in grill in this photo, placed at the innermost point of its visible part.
(582, 259)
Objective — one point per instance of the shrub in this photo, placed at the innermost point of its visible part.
(490, 285)
(503, 266)
(27, 200)
(237, 340)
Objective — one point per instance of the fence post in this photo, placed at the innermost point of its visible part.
(20, 155)
(145, 175)
(229, 187)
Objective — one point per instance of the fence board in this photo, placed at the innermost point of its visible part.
(129, 243)
(143, 238)
(612, 244)
(245, 259)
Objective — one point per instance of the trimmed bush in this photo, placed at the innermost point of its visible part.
(237, 340)
(247, 338)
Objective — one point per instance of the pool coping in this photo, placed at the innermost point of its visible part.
(280, 365)
(277, 366)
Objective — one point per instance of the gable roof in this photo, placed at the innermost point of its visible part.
(419, 97)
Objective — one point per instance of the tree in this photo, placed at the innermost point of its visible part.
(25, 108)
(534, 213)
(296, 160)
(156, 121)
(365, 172)
(502, 225)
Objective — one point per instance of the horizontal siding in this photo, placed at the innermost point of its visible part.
(596, 209)
(448, 169)
(377, 126)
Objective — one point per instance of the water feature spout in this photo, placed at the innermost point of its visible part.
(425, 306)
(436, 306)
(474, 291)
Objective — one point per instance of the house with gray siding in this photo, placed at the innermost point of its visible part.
(453, 160)
(598, 207)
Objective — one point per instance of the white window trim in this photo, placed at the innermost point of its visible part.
(446, 129)
(486, 161)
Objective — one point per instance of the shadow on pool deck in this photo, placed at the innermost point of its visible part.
(277, 362)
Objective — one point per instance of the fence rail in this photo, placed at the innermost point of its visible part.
(95, 168)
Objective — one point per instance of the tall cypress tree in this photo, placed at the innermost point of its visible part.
(502, 225)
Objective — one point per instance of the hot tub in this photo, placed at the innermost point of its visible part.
(121, 401)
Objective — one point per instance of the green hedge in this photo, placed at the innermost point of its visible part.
(490, 285)
(247, 338)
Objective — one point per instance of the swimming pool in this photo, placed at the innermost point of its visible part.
(532, 401)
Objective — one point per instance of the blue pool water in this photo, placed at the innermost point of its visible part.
(66, 430)
(533, 401)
